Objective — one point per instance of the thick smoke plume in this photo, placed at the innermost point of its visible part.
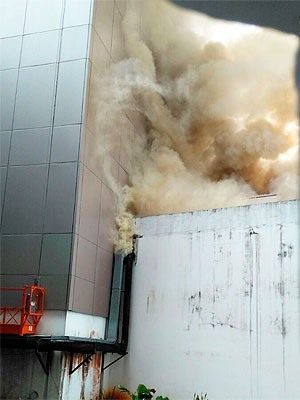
(220, 110)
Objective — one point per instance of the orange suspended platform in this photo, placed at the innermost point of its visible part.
(23, 320)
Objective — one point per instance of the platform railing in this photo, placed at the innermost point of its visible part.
(24, 319)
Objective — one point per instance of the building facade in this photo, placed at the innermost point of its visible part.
(223, 276)
(57, 205)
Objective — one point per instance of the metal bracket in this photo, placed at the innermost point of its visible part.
(119, 358)
(46, 367)
(252, 231)
(84, 362)
(135, 246)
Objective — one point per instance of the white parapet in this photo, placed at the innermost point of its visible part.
(86, 326)
(215, 305)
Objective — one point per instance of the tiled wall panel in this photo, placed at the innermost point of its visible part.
(75, 42)
(70, 90)
(12, 17)
(93, 154)
(14, 299)
(5, 137)
(20, 255)
(30, 146)
(105, 160)
(107, 214)
(25, 199)
(10, 52)
(55, 256)
(56, 291)
(101, 299)
(78, 14)
(38, 83)
(65, 143)
(54, 54)
(90, 206)
(83, 295)
(117, 45)
(121, 5)
(39, 161)
(103, 21)
(86, 260)
(102, 280)
(43, 15)
(3, 175)
(40, 48)
(59, 210)
(8, 86)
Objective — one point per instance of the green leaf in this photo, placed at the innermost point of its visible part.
(144, 396)
(143, 392)
(142, 389)
(162, 398)
(123, 389)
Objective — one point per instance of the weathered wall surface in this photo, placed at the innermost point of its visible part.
(23, 377)
(84, 383)
(215, 304)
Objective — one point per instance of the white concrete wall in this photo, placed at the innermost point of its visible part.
(84, 383)
(215, 305)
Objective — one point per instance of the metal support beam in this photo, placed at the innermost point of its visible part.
(70, 344)
(84, 362)
(113, 362)
(46, 367)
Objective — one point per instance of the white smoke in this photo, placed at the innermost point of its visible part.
(220, 108)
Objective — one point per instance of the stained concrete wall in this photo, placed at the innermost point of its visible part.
(215, 305)
(23, 377)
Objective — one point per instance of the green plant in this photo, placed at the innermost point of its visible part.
(142, 393)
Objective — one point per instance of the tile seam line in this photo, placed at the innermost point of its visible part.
(38, 32)
(53, 103)
(13, 118)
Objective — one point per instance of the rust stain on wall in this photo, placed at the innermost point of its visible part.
(97, 375)
(88, 374)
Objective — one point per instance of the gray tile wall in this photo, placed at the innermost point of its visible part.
(24, 199)
(50, 164)
(97, 202)
(103, 146)
(44, 51)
